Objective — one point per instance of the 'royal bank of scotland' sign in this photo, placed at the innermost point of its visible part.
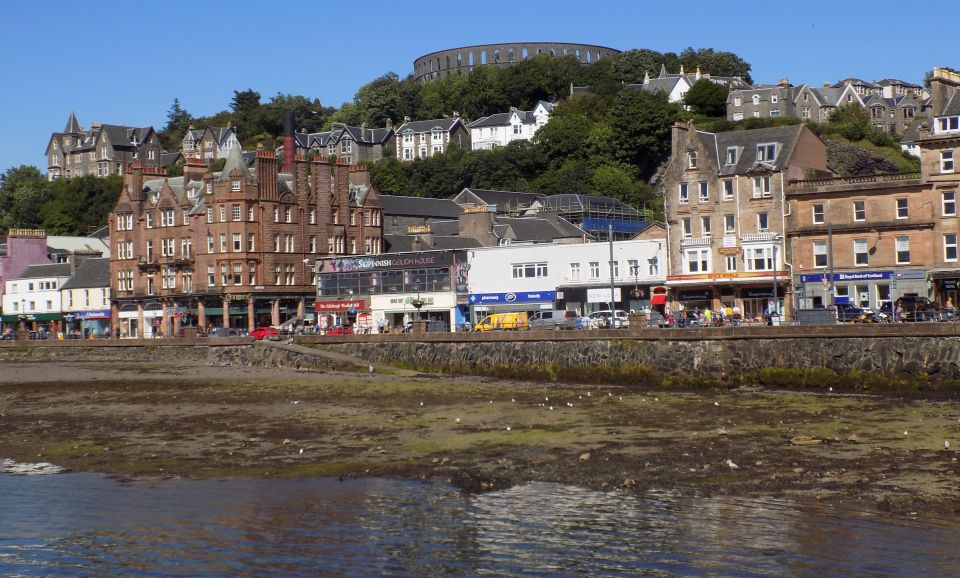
(850, 276)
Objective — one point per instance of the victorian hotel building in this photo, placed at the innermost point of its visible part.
(233, 249)
(726, 215)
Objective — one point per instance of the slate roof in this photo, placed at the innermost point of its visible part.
(235, 161)
(746, 142)
(90, 273)
(404, 243)
(952, 108)
(445, 124)
(535, 229)
(46, 270)
(169, 159)
(72, 125)
(419, 207)
(504, 200)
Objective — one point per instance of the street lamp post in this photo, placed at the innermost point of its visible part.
(417, 304)
(776, 304)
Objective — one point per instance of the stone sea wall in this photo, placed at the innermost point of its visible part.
(807, 361)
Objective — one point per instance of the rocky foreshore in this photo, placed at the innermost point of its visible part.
(187, 418)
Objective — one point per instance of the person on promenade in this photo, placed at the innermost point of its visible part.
(707, 317)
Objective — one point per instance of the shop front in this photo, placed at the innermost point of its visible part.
(946, 286)
(585, 300)
(354, 313)
(87, 324)
(483, 304)
(867, 289)
(40, 322)
(397, 288)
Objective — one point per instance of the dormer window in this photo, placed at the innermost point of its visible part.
(948, 123)
(692, 160)
(756, 99)
(766, 152)
(731, 155)
(235, 185)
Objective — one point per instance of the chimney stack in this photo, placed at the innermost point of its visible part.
(289, 142)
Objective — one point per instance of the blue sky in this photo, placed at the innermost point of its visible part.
(124, 62)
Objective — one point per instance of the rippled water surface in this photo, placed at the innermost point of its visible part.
(89, 525)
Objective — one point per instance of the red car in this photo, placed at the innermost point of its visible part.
(340, 330)
(264, 333)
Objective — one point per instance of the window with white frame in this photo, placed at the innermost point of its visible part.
(186, 247)
(312, 247)
(704, 192)
(237, 242)
(209, 214)
(861, 257)
(250, 213)
(223, 242)
(238, 273)
(211, 276)
(729, 224)
(223, 214)
(235, 212)
(818, 214)
(761, 187)
(149, 251)
(633, 267)
(613, 268)
(224, 274)
(728, 189)
(287, 214)
(766, 152)
(773, 99)
(574, 271)
(737, 101)
(186, 217)
(696, 260)
(594, 269)
(946, 161)
(692, 159)
(731, 157)
(312, 216)
(251, 243)
(705, 226)
(166, 247)
(755, 99)
(150, 283)
(758, 258)
(950, 247)
(276, 213)
(252, 274)
(169, 278)
(903, 210)
(763, 222)
(684, 192)
(730, 263)
(149, 220)
(210, 246)
(235, 185)
(529, 270)
(687, 224)
(166, 218)
(859, 210)
(903, 250)
(949, 203)
(288, 244)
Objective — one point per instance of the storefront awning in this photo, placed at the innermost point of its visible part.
(15, 318)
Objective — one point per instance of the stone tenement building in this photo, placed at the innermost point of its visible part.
(236, 248)
(443, 63)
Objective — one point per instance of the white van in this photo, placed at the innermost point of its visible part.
(553, 319)
(606, 320)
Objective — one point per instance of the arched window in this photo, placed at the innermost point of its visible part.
(496, 55)
(577, 53)
(524, 54)
(510, 55)
(756, 99)
(539, 51)
(483, 57)
(459, 60)
(553, 52)
(588, 57)
(470, 58)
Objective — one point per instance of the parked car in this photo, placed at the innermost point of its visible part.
(850, 313)
(553, 319)
(917, 308)
(610, 320)
(345, 329)
(265, 333)
(503, 322)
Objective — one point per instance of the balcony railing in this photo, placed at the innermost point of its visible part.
(697, 241)
(766, 236)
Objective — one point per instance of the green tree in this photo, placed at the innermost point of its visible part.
(178, 122)
(564, 138)
(23, 190)
(715, 63)
(640, 123)
(81, 204)
(379, 100)
(629, 67)
(707, 98)
(391, 177)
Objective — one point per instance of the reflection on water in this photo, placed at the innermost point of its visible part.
(83, 524)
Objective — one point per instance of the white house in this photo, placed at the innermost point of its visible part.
(34, 296)
(501, 129)
(570, 276)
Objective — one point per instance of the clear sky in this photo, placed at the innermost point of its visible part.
(124, 62)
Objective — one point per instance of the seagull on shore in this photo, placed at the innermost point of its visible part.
(946, 445)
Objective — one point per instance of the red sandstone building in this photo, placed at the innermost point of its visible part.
(234, 249)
